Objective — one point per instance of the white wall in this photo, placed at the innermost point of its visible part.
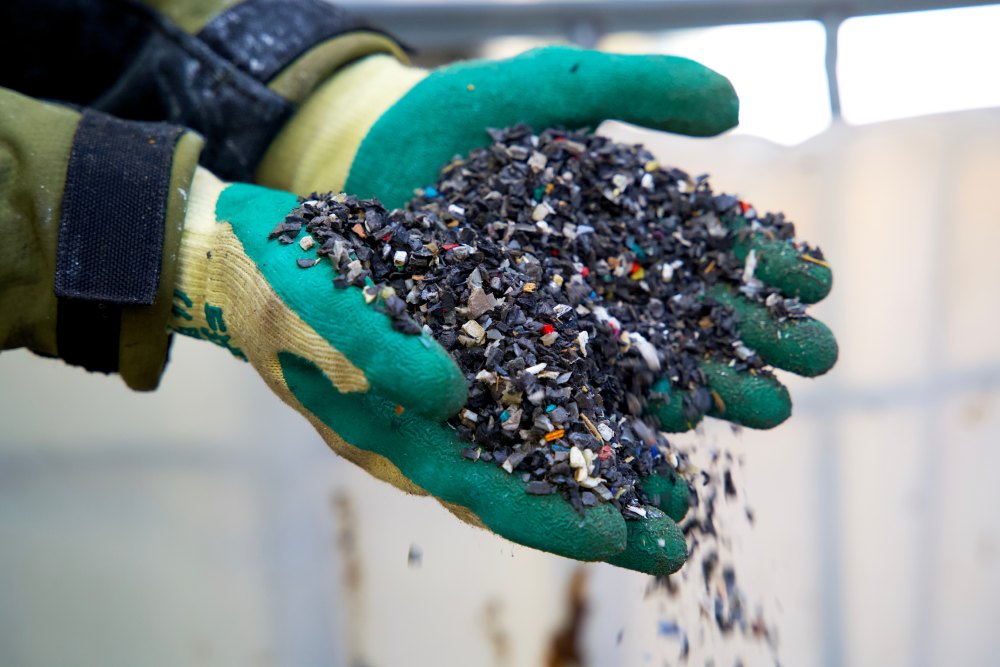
(201, 524)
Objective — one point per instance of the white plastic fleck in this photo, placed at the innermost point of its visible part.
(750, 266)
(307, 242)
(561, 309)
(537, 161)
(636, 509)
(646, 350)
(606, 432)
(666, 272)
(576, 459)
(474, 330)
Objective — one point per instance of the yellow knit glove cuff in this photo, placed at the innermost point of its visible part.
(222, 296)
(315, 150)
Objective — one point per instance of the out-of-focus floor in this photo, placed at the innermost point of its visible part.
(205, 524)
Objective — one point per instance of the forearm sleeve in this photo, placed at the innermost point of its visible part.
(91, 213)
(233, 71)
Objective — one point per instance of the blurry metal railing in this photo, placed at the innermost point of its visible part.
(461, 24)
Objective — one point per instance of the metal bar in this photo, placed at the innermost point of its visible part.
(442, 25)
(831, 24)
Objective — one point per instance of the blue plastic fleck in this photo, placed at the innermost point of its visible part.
(669, 628)
(430, 191)
(550, 408)
(637, 249)
(504, 416)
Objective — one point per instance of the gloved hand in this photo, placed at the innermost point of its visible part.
(380, 128)
(377, 397)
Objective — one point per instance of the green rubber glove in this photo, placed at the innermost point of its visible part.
(234, 296)
(379, 128)
(377, 397)
(802, 346)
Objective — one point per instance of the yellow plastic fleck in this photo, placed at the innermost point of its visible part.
(590, 425)
(812, 259)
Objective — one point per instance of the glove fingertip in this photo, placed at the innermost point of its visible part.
(431, 384)
(753, 401)
(725, 104)
(668, 406)
(669, 492)
(812, 283)
(796, 274)
(655, 545)
(809, 349)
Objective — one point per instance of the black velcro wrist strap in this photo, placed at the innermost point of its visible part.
(110, 245)
(262, 37)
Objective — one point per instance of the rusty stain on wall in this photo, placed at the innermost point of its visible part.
(564, 648)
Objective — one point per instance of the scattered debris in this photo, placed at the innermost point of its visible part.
(565, 273)
(415, 556)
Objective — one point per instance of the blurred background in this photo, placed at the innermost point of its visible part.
(206, 524)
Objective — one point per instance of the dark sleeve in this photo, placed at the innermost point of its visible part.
(236, 78)
(91, 213)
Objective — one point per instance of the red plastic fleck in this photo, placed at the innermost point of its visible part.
(745, 206)
(584, 272)
(635, 267)
(547, 329)
(449, 246)
(605, 453)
